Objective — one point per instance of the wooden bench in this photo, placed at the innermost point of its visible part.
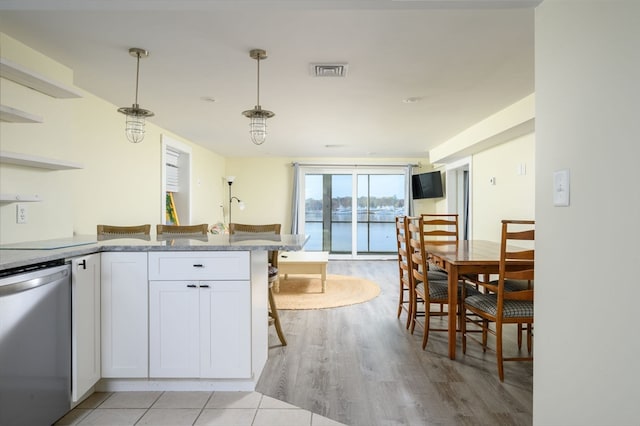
(303, 262)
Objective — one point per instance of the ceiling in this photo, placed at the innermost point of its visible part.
(458, 61)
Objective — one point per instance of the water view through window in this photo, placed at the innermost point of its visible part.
(329, 212)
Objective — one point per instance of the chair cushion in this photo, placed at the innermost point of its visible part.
(273, 273)
(471, 290)
(511, 309)
(438, 290)
(514, 285)
(437, 275)
(435, 268)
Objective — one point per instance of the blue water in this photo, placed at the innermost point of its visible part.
(381, 237)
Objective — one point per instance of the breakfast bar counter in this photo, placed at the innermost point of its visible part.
(159, 313)
(23, 254)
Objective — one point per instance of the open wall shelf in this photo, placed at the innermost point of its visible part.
(13, 115)
(19, 198)
(21, 75)
(38, 162)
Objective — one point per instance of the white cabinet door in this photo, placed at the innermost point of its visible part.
(125, 339)
(85, 324)
(174, 329)
(225, 324)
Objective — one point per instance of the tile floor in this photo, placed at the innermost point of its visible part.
(190, 408)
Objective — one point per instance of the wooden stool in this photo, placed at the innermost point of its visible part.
(274, 318)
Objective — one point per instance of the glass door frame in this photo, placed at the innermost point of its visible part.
(354, 171)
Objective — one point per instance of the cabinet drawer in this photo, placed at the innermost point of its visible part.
(199, 265)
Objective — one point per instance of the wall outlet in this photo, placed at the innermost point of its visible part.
(21, 213)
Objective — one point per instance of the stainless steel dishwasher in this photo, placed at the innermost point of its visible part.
(35, 344)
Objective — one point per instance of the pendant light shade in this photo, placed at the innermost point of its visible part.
(257, 115)
(135, 122)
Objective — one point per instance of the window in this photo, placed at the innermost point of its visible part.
(337, 224)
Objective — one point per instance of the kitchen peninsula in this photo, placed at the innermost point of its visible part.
(167, 313)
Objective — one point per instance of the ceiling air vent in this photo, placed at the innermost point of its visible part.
(329, 70)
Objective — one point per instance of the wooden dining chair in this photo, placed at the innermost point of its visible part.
(499, 305)
(201, 229)
(405, 298)
(430, 287)
(440, 228)
(123, 230)
(273, 275)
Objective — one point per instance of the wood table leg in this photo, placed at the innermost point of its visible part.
(323, 272)
(453, 309)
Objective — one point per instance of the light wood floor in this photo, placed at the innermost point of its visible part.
(360, 366)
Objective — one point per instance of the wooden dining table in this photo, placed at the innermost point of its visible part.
(464, 257)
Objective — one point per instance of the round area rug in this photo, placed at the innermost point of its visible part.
(305, 292)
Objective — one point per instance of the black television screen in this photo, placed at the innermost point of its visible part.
(426, 185)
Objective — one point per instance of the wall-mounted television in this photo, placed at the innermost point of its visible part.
(426, 185)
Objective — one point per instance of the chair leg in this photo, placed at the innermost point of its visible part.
(520, 329)
(410, 309)
(414, 312)
(401, 297)
(485, 332)
(427, 318)
(529, 337)
(463, 329)
(499, 351)
(273, 313)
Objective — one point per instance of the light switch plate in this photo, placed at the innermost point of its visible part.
(561, 187)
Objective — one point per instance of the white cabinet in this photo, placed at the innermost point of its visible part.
(85, 324)
(200, 324)
(174, 329)
(124, 315)
(225, 329)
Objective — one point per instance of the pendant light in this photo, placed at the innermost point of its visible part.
(136, 116)
(257, 115)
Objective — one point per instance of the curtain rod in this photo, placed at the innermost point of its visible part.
(293, 163)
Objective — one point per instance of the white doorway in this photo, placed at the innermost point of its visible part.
(176, 181)
(459, 190)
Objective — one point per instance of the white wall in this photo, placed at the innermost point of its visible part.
(587, 120)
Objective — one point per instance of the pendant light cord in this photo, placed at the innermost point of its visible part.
(137, 76)
(258, 85)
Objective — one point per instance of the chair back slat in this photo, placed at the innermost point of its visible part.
(123, 230)
(528, 234)
(520, 255)
(271, 228)
(201, 229)
(516, 264)
(440, 227)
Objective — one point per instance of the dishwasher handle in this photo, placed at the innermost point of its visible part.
(29, 284)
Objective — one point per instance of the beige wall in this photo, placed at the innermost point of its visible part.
(512, 195)
(265, 185)
(588, 98)
(120, 182)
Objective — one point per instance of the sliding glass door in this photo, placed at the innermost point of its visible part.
(352, 212)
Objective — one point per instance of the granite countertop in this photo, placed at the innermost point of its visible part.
(32, 252)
